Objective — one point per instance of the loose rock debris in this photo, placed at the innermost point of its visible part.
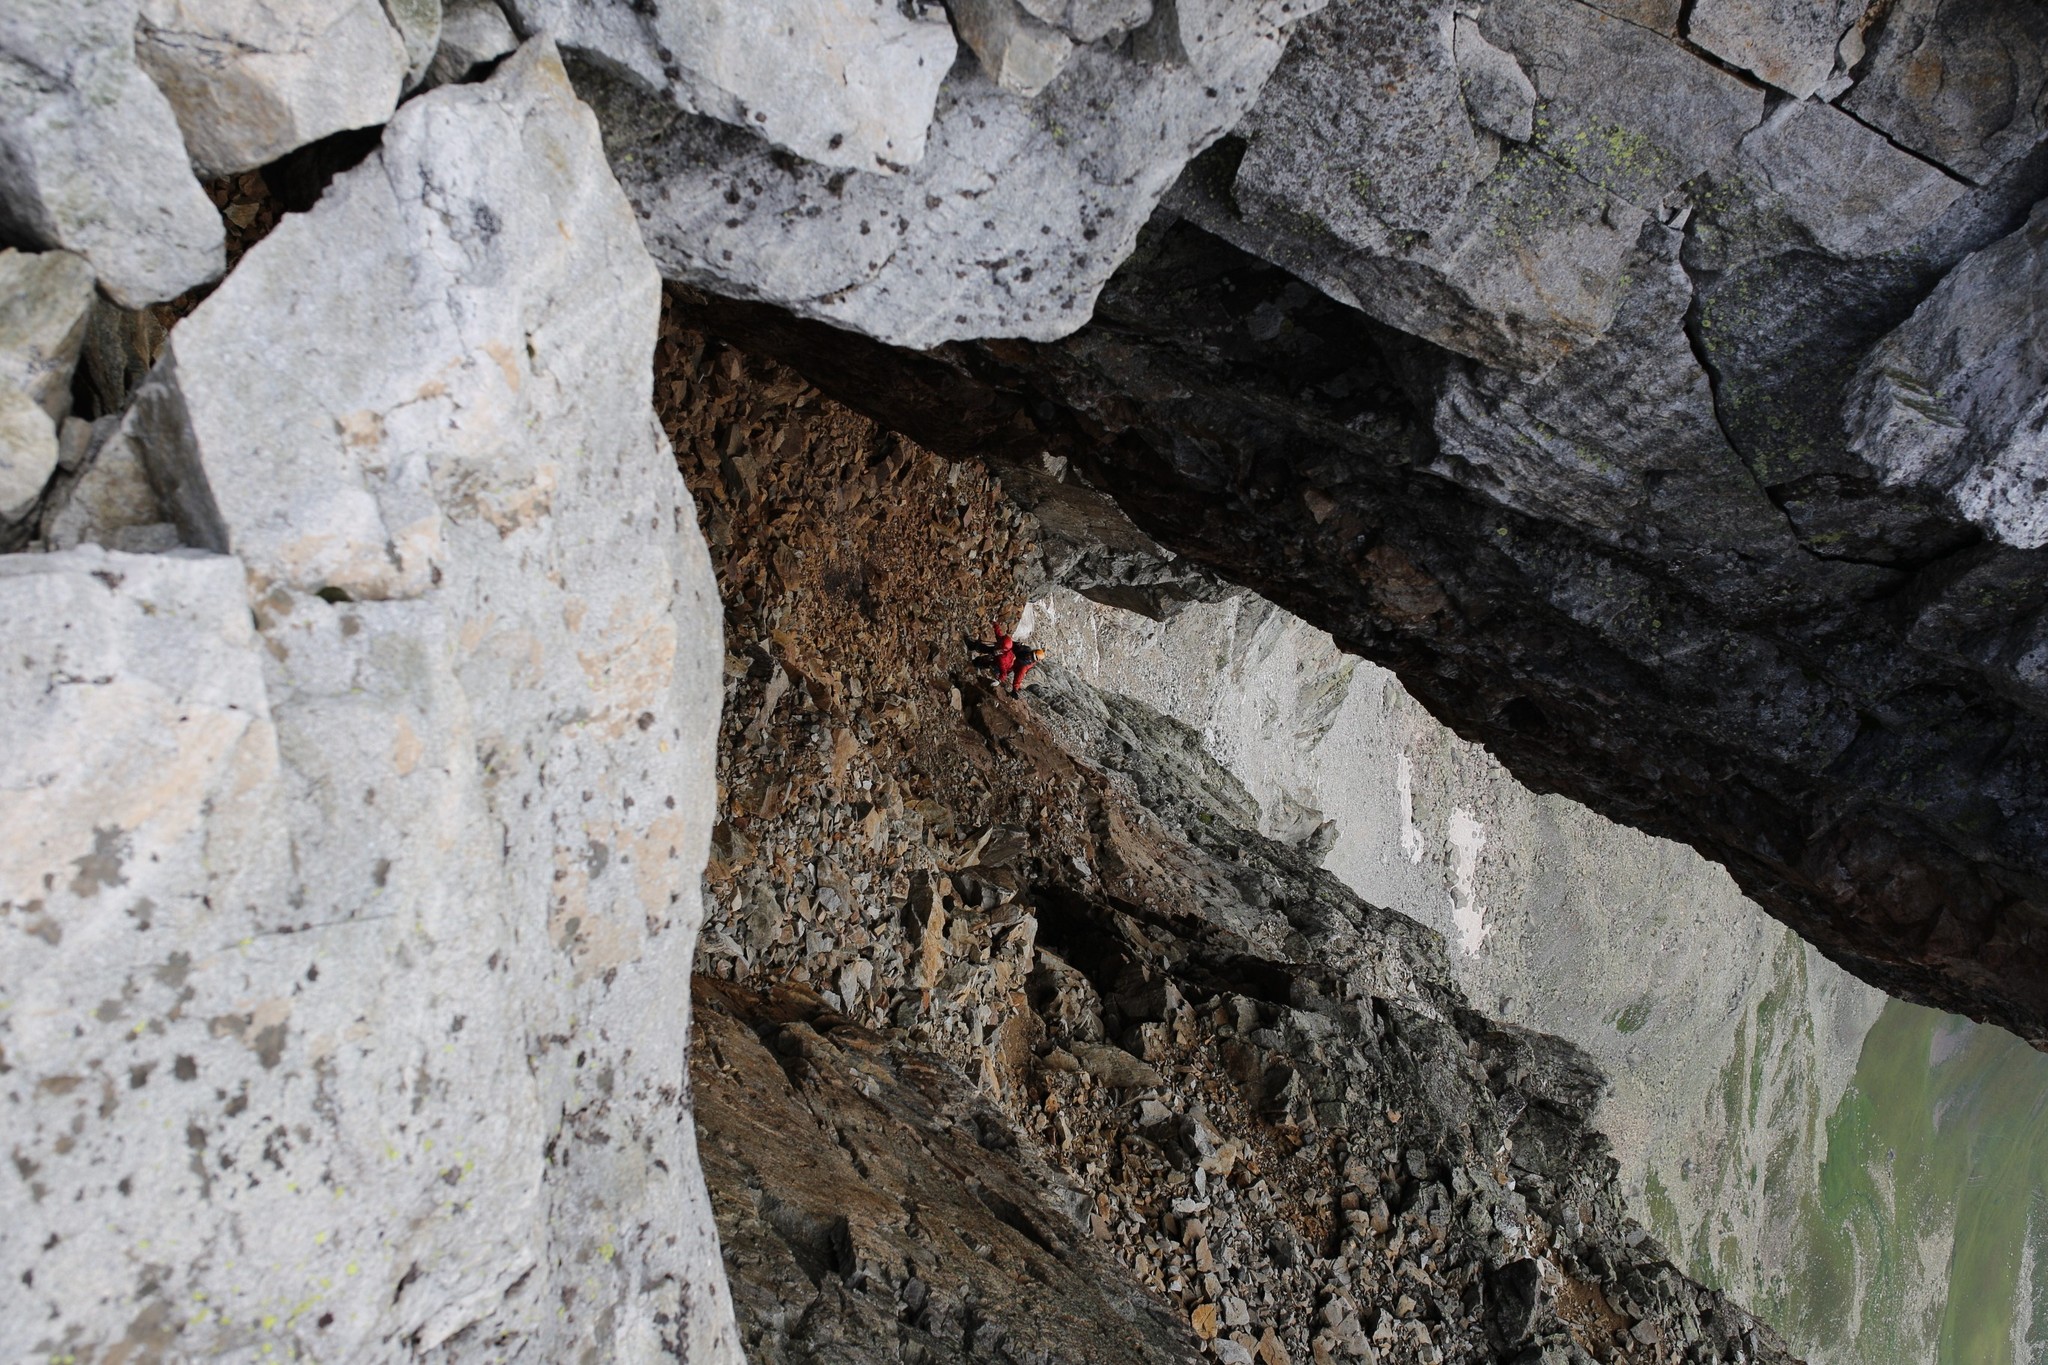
(1015, 1043)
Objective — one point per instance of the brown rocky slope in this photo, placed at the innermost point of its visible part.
(1014, 1043)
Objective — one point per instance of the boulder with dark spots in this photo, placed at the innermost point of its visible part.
(344, 904)
(848, 85)
(1007, 225)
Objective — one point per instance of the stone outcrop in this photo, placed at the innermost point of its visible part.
(45, 300)
(1959, 82)
(472, 32)
(353, 855)
(1956, 399)
(90, 160)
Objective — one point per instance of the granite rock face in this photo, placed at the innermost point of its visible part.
(253, 79)
(350, 911)
(1491, 232)
(90, 159)
(1789, 43)
(472, 32)
(1959, 82)
(45, 301)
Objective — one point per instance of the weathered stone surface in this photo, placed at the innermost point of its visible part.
(1854, 193)
(1956, 399)
(1961, 82)
(1008, 226)
(1364, 176)
(253, 79)
(1089, 21)
(1498, 92)
(1622, 108)
(842, 83)
(1789, 43)
(349, 946)
(1621, 439)
(1020, 52)
(28, 452)
(472, 31)
(45, 301)
(1660, 16)
(1375, 82)
(110, 503)
(90, 159)
(419, 27)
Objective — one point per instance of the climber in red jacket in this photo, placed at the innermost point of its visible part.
(1001, 656)
(1021, 662)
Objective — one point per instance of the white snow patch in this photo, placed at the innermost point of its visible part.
(1467, 836)
(1404, 783)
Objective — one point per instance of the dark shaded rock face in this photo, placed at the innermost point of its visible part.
(1613, 575)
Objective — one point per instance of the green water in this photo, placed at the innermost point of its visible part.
(1927, 1238)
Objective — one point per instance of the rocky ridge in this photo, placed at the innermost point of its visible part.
(1034, 947)
(1681, 449)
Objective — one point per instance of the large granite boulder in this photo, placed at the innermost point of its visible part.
(1790, 43)
(1960, 82)
(1956, 399)
(1375, 165)
(350, 910)
(90, 159)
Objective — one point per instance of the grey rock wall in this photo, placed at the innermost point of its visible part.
(845, 85)
(352, 879)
